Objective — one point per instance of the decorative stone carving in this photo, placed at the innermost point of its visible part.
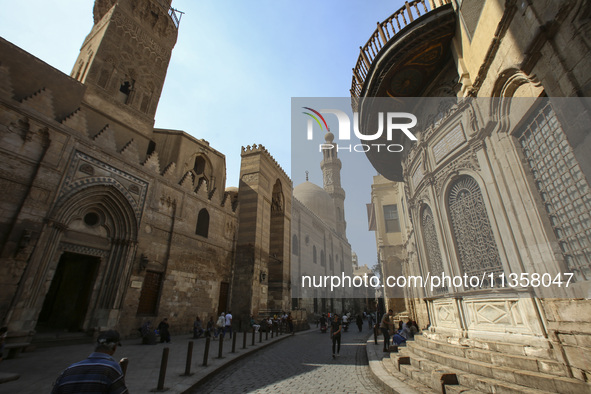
(467, 160)
(104, 174)
(450, 141)
(87, 169)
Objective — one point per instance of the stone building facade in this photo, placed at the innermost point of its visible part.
(319, 240)
(495, 185)
(107, 222)
(388, 222)
(262, 274)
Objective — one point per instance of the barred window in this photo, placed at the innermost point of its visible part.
(562, 187)
(474, 239)
(433, 254)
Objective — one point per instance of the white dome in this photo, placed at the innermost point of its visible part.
(317, 200)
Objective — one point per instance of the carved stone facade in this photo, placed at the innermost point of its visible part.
(107, 222)
(499, 184)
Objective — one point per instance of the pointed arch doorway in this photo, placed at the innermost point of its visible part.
(67, 301)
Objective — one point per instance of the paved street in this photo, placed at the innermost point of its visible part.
(302, 363)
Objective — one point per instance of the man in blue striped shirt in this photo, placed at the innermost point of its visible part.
(99, 373)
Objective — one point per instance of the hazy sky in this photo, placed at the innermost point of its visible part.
(234, 69)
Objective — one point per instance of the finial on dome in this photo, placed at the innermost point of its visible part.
(329, 137)
(306, 176)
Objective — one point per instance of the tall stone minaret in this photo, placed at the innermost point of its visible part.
(124, 58)
(331, 171)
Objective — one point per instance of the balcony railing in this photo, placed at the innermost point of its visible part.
(174, 14)
(385, 32)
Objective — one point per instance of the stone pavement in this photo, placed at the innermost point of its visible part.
(38, 369)
(301, 364)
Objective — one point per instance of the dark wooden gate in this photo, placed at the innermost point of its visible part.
(148, 304)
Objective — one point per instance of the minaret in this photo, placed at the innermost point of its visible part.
(331, 171)
(123, 60)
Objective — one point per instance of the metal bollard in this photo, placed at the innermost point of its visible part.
(252, 337)
(123, 364)
(206, 352)
(266, 334)
(234, 342)
(260, 336)
(271, 332)
(221, 346)
(244, 340)
(163, 365)
(189, 359)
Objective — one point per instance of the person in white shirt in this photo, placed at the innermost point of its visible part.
(228, 324)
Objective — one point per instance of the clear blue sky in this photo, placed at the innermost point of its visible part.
(234, 70)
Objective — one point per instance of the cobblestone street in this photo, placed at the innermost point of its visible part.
(299, 364)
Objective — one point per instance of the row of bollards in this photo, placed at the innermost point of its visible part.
(165, 352)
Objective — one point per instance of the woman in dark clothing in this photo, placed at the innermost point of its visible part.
(359, 322)
(163, 329)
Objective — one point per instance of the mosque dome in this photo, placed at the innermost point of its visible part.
(317, 200)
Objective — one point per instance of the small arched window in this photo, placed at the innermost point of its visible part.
(199, 166)
(202, 223)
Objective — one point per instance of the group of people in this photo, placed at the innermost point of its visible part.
(273, 323)
(149, 334)
(404, 332)
(214, 328)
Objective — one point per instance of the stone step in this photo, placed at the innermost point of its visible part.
(542, 349)
(459, 389)
(420, 376)
(487, 385)
(527, 363)
(469, 381)
(391, 380)
(493, 376)
(433, 378)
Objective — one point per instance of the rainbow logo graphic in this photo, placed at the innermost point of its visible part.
(315, 118)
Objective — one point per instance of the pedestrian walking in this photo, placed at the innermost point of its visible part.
(386, 325)
(210, 328)
(290, 322)
(335, 334)
(219, 326)
(228, 324)
(99, 373)
(359, 322)
(370, 320)
(163, 329)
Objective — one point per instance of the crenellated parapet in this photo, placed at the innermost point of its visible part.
(260, 149)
